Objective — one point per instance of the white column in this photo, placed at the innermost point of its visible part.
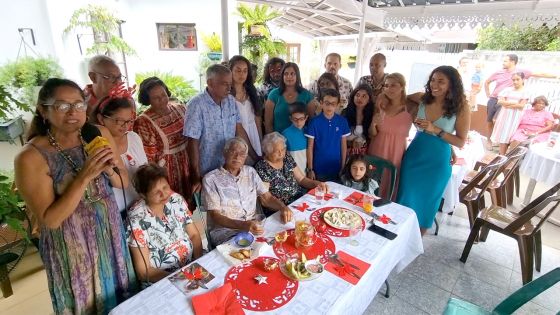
(360, 53)
(225, 30)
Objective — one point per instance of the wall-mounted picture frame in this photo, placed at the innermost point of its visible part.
(177, 36)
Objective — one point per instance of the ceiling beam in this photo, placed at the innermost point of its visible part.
(309, 26)
(316, 21)
(286, 5)
(355, 36)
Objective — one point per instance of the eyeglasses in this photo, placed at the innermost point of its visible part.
(64, 107)
(235, 153)
(299, 118)
(112, 78)
(329, 103)
(120, 122)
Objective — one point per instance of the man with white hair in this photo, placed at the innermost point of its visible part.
(230, 193)
(104, 75)
(211, 119)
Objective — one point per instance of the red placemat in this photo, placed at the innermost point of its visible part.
(347, 272)
(323, 245)
(327, 196)
(355, 198)
(277, 292)
(316, 219)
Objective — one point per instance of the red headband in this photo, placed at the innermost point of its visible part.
(118, 91)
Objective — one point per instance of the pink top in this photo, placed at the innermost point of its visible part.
(503, 80)
(390, 142)
(533, 121)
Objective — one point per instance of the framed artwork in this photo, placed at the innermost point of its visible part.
(177, 36)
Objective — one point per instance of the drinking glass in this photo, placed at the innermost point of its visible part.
(355, 232)
(367, 204)
(260, 220)
(319, 194)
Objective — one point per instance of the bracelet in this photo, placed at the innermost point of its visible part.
(441, 133)
(109, 175)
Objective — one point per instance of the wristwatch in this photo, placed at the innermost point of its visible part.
(440, 134)
(307, 170)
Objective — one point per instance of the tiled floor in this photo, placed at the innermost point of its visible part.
(490, 274)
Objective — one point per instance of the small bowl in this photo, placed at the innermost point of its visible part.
(314, 266)
(244, 239)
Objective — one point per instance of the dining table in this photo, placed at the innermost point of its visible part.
(327, 294)
(541, 164)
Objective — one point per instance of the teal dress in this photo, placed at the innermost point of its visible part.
(425, 171)
(281, 119)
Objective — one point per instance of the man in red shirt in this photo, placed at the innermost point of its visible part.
(104, 75)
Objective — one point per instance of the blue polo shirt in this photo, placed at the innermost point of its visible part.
(327, 135)
(212, 125)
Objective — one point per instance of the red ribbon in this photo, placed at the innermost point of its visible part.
(302, 207)
(197, 274)
(343, 270)
(384, 219)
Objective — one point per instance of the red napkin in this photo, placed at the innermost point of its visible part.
(384, 219)
(460, 161)
(355, 198)
(304, 206)
(218, 301)
(326, 197)
(345, 271)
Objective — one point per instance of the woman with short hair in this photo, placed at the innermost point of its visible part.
(279, 170)
(162, 235)
(161, 130)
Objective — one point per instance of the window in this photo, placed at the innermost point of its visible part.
(293, 51)
(176, 36)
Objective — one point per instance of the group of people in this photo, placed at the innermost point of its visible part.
(509, 121)
(122, 212)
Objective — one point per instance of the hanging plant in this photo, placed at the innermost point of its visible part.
(105, 28)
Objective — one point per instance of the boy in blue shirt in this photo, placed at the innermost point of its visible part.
(326, 139)
(296, 142)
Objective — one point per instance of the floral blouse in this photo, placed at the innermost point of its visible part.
(283, 184)
(166, 238)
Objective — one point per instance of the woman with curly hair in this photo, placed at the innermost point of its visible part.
(443, 120)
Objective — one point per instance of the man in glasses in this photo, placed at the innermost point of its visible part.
(104, 75)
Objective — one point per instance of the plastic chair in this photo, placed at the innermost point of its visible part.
(380, 166)
(471, 194)
(198, 202)
(511, 303)
(519, 226)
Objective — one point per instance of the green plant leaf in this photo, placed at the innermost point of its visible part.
(180, 88)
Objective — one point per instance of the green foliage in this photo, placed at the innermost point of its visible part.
(11, 205)
(257, 47)
(20, 79)
(105, 30)
(516, 37)
(180, 88)
(213, 42)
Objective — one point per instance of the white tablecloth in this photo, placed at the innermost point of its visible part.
(325, 295)
(471, 152)
(542, 163)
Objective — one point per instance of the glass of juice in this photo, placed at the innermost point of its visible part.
(367, 204)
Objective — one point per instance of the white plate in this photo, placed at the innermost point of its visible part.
(226, 248)
(346, 217)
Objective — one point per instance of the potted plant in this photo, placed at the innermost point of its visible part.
(105, 28)
(214, 44)
(352, 62)
(180, 88)
(12, 210)
(19, 84)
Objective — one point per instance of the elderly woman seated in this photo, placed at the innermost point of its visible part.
(536, 123)
(279, 170)
(163, 237)
(229, 194)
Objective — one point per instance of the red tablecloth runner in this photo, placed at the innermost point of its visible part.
(278, 290)
(323, 245)
(317, 220)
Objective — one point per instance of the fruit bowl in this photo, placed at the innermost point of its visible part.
(300, 269)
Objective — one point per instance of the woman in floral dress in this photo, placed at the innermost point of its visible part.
(164, 237)
(161, 130)
(82, 242)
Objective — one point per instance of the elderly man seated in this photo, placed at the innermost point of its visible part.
(230, 194)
